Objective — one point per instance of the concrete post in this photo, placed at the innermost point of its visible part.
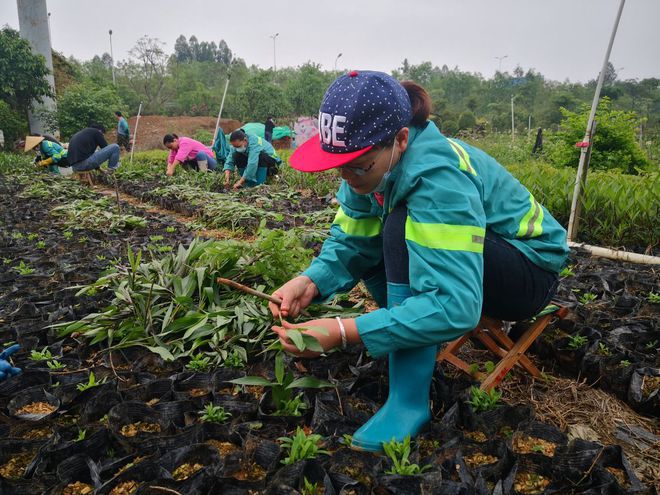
(33, 26)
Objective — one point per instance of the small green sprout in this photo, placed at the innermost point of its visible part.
(301, 446)
(214, 414)
(170, 229)
(587, 297)
(68, 235)
(653, 298)
(23, 268)
(43, 355)
(567, 272)
(603, 350)
(81, 435)
(399, 453)
(482, 400)
(55, 365)
(91, 383)
(576, 341)
(199, 363)
(41, 244)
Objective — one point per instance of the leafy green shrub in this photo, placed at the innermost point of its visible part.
(482, 400)
(467, 120)
(203, 136)
(399, 453)
(13, 125)
(614, 143)
(85, 103)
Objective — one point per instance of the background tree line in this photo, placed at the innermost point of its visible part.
(191, 80)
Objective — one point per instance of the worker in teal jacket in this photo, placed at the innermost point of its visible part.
(438, 230)
(51, 153)
(254, 156)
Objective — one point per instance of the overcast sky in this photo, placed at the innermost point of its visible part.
(562, 39)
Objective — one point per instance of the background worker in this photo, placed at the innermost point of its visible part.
(438, 230)
(188, 152)
(269, 125)
(254, 157)
(123, 132)
(83, 154)
(51, 152)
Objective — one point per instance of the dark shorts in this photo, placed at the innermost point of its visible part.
(514, 288)
(124, 141)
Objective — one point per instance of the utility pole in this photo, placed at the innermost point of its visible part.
(513, 124)
(335, 71)
(274, 58)
(112, 60)
(499, 69)
(34, 27)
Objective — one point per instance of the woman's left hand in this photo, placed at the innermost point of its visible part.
(239, 183)
(329, 339)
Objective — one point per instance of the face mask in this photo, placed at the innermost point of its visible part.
(383, 181)
(241, 149)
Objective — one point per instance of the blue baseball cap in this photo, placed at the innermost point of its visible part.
(359, 110)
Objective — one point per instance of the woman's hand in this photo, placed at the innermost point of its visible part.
(328, 339)
(296, 295)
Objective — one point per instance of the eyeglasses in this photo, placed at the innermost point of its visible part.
(359, 171)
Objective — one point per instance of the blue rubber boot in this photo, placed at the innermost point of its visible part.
(407, 409)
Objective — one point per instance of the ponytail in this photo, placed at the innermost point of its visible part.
(420, 102)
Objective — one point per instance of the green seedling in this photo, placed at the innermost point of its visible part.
(587, 297)
(23, 268)
(17, 235)
(170, 229)
(68, 235)
(6, 261)
(32, 237)
(603, 350)
(653, 298)
(91, 383)
(567, 272)
(41, 244)
(43, 355)
(576, 341)
(301, 446)
(156, 238)
(199, 363)
(484, 401)
(100, 257)
(234, 360)
(651, 345)
(399, 454)
(624, 363)
(81, 435)
(214, 414)
(55, 365)
(538, 449)
(346, 439)
(310, 488)
(284, 402)
(83, 239)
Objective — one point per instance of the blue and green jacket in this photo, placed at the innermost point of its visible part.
(254, 148)
(453, 192)
(52, 150)
(122, 127)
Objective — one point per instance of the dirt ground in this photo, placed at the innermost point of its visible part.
(152, 128)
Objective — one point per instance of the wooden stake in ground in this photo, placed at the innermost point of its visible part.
(137, 122)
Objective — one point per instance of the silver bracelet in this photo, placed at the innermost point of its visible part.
(342, 332)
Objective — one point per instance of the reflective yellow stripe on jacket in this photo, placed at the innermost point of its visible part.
(363, 227)
(463, 157)
(531, 225)
(446, 236)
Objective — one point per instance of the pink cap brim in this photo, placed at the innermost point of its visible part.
(310, 157)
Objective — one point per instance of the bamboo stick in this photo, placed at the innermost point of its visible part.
(613, 254)
(255, 292)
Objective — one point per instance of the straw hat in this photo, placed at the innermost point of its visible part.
(32, 141)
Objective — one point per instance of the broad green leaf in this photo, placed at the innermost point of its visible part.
(252, 380)
(162, 352)
(309, 382)
(297, 338)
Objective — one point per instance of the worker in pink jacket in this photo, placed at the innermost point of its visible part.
(189, 153)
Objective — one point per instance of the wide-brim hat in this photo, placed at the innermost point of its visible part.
(32, 141)
(359, 110)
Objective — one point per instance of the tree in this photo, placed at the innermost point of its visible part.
(614, 143)
(467, 121)
(259, 97)
(304, 90)
(182, 52)
(22, 73)
(224, 55)
(85, 103)
(147, 74)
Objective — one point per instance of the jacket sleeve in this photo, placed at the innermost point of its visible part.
(445, 231)
(254, 150)
(54, 151)
(229, 162)
(100, 140)
(123, 125)
(354, 247)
